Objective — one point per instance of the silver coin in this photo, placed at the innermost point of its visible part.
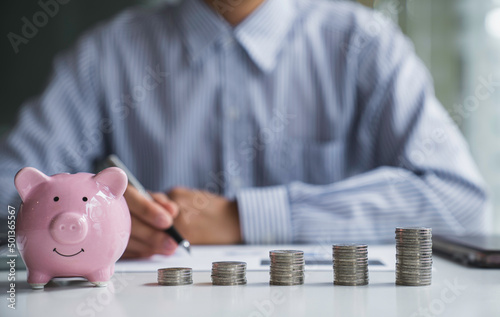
(413, 264)
(350, 264)
(229, 273)
(286, 267)
(340, 260)
(415, 253)
(413, 271)
(175, 276)
(350, 269)
(413, 234)
(413, 250)
(222, 278)
(175, 270)
(286, 253)
(414, 283)
(414, 229)
(413, 259)
(229, 283)
(351, 283)
(406, 277)
(413, 245)
(413, 256)
(286, 283)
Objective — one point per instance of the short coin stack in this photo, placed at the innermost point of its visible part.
(173, 276)
(287, 267)
(229, 273)
(350, 264)
(413, 256)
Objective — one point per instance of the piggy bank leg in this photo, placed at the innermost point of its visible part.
(37, 280)
(101, 277)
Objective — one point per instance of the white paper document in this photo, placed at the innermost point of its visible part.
(318, 258)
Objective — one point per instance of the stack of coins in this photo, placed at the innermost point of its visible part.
(287, 267)
(229, 273)
(173, 276)
(350, 264)
(413, 256)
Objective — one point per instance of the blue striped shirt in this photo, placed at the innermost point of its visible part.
(316, 116)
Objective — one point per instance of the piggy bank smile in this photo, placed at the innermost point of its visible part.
(68, 255)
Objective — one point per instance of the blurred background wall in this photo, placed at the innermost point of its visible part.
(458, 40)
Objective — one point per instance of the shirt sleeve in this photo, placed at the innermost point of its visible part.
(422, 172)
(59, 130)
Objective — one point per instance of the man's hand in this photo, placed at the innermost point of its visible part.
(206, 218)
(149, 219)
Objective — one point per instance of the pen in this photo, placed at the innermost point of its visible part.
(113, 160)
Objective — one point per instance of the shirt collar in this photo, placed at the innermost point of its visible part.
(261, 34)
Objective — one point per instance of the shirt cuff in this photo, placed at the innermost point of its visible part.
(265, 215)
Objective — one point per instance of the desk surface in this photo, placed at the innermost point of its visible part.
(455, 291)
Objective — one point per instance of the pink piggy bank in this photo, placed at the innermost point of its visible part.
(72, 224)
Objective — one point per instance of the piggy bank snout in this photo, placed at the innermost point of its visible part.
(69, 228)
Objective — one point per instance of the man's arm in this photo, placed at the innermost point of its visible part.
(422, 171)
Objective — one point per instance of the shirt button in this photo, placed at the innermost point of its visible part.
(229, 42)
(237, 183)
(233, 113)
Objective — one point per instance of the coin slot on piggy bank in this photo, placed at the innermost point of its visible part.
(58, 232)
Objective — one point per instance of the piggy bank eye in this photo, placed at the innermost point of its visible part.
(84, 199)
(56, 198)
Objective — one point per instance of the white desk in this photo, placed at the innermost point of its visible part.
(137, 294)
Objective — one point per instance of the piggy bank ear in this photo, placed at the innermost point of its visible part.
(114, 178)
(27, 179)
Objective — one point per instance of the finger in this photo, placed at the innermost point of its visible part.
(139, 248)
(132, 255)
(166, 203)
(177, 193)
(148, 211)
(156, 240)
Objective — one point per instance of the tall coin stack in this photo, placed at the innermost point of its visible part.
(287, 267)
(229, 273)
(175, 276)
(413, 256)
(350, 264)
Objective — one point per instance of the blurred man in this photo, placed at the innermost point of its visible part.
(254, 121)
